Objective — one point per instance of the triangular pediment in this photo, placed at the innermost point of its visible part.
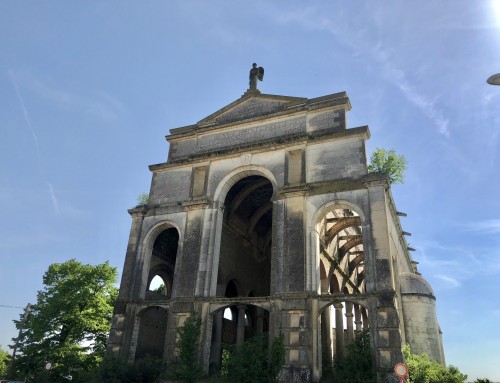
(252, 105)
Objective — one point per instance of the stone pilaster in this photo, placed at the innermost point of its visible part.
(188, 262)
(120, 336)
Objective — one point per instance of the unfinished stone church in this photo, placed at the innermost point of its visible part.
(264, 219)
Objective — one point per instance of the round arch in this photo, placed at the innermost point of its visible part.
(336, 204)
(160, 272)
(147, 250)
(144, 310)
(214, 309)
(316, 234)
(324, 304)
(239, 173)
(156, 229)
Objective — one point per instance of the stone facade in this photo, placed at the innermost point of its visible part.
(264, 219)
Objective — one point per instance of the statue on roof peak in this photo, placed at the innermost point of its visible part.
(256, 74)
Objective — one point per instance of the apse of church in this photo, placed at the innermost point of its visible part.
(264, 219)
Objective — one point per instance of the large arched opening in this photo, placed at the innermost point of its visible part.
(341, 321)
(341, 275)
(160, 279)
(152, 331)
(246, 235)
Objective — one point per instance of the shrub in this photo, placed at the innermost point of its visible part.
(142, 199)
(186, 366)
(252, 362)
(356, 365)
(423, 370)
(113, 369)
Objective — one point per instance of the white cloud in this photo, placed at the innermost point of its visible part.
(362, 43)
(490, 226)
(452, 282)
(96, 102)
(449, 264)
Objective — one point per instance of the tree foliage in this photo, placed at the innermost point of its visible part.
(248, 361)
(113, 369)
(277, 360)
(423, 370)
(251, 362)
(186, 367)
(160, 289)
(388, 162)
(4, 362)
(356, 365)
(69, 323)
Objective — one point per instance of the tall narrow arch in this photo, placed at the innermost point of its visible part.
(340, 237)
(162, 260)
(152, 332)
(245, 241)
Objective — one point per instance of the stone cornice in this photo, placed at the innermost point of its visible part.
(292, 105)
(310, 138)
(138, 211)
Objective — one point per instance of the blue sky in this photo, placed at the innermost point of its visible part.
(88, 90)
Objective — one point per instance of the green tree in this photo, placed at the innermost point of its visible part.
(69, 323)
(423, 370)
(277, 359)
(4, 362)
(186, 367)
(160, 289)
(251, 361)
(356, 365)
(484, 380)
(388, 162)
(248, 362)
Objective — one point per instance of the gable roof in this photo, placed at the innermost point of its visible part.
(251, 104)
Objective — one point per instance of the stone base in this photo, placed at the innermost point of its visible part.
(292, 374)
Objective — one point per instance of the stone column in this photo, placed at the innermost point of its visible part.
(385, 327)
(215, 354)
(132, 269)
(240, 332)
(339, 330)
(259, 325)
(357, 319)
(364, 315)
(187, 262)
(349, 322)
(326, 338)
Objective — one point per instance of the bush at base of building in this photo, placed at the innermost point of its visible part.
(356, 366)
(186, 368)
(423, 370)
(118, 370)
(251, 361)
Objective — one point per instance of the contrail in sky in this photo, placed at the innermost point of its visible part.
(25, 112)
(35, 140)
